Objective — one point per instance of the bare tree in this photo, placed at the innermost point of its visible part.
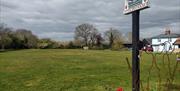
(99, 40)
(93, 37)
(111, 35)
(85, 32)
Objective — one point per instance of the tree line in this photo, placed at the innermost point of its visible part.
(86, 35)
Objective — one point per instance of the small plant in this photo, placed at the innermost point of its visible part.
(119, 89)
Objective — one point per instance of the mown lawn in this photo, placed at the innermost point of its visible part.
(75, 70)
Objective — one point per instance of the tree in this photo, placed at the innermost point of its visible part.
(85, 32)
(45, 43)
(118, 44)
(78, 43)
(5, 39)
(71, 45)
(129, 35)
(26, 38)
(93, 37)
(111, 35)
(99, 40)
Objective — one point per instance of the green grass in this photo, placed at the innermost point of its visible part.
(73, 70)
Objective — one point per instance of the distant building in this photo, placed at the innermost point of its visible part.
(165, 42)
(127, 45)
(177, 42)
(146, 41)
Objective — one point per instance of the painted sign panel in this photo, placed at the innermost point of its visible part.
(133, 5)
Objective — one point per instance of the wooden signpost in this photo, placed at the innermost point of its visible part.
(134, 7)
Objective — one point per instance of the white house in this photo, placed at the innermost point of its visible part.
(165, 42)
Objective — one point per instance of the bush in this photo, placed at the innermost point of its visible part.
(117, 45)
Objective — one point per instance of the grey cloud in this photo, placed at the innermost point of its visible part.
(57, 35)
(57, 19)
(8, 5)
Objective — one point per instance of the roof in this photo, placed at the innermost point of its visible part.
(177, 42)
(127, 42)
(166, 36)
(147, 40)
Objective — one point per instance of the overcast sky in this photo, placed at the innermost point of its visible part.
(57, 19)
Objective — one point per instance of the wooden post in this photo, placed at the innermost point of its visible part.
(135, 52)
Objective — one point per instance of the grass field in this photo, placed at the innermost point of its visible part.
(73, 70)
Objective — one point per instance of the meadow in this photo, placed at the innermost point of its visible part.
(76, 70)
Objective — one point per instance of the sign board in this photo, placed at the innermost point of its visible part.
(133, 5)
